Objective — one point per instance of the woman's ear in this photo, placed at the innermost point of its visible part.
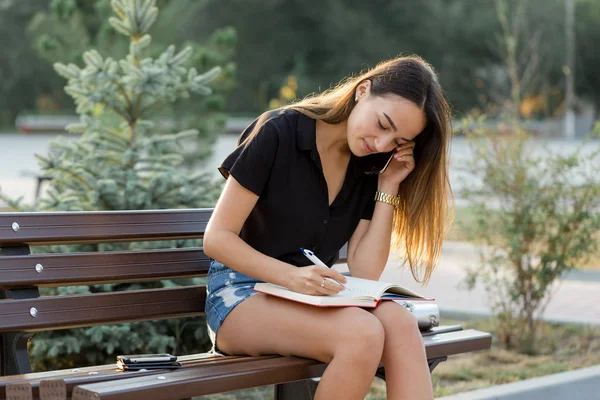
(363, 88)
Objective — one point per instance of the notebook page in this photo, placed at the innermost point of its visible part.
(363, 287)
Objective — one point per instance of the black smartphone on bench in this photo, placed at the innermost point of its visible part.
(135, 362)
(146, 358)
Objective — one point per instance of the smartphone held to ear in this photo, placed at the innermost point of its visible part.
(375, 164)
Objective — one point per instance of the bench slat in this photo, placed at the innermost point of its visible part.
(249, 372)
(189, 382)
(103, 373)
(59, 312)
(64, 269)
(102, 226)
(457, 342)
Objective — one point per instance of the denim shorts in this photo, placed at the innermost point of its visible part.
(225, 289)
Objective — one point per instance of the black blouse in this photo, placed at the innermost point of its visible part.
(282, 166)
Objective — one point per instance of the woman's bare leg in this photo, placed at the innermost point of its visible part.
(406, 370)
(350, 339)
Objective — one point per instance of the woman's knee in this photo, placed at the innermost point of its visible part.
(360, 335)
(396, 318)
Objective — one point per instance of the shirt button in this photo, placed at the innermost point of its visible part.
(325, 221)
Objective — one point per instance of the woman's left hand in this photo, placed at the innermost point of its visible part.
(401, 165)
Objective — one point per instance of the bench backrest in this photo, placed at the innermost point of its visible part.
(22, 273)
(20, 270)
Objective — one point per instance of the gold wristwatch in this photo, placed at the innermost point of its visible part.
(387, 198)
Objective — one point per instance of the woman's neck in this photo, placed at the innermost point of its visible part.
(332, 138)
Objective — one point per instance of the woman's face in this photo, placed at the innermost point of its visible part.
(379, 124)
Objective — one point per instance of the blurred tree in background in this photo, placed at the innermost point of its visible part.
(287, 93)
(536, 212)
(330, 39)
(124, 161)
(333, 38)
(536, 217)
(22, 73)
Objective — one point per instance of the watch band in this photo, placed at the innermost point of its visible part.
(387, 198)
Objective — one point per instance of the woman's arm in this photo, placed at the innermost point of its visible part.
(223, 243)
(369, 246)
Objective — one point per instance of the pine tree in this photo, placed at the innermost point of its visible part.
(66, 29)
(124, 161)
(121, 161)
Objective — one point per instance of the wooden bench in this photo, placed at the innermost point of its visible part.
(23, 312)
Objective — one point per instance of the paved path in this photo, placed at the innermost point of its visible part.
(574, 300)
(18, 165)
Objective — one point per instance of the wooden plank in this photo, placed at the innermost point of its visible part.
(86, 268)
(203, 380)
(42, 228)
(60, 312)
(189, 382)
(450, 343)
(109, 372)
(99, 369)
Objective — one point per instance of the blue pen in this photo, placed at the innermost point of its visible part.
(315, 260)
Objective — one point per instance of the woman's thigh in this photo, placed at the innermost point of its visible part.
(262, 325)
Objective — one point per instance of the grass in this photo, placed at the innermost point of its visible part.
(563, 348)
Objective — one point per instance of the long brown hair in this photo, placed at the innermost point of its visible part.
(426, 206)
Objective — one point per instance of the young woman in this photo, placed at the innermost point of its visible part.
(297, 179)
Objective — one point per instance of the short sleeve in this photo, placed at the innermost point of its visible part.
(252, 160)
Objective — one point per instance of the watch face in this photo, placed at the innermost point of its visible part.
(376, 163)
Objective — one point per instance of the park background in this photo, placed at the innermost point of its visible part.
(508, 67)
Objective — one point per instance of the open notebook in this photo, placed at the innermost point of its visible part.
(358, 292)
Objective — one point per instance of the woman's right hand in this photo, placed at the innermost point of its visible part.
(311, 280)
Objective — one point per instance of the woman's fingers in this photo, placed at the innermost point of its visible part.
(328, 281)
(328, 288)
(335, 275)
(403, 153)
(409, 162)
